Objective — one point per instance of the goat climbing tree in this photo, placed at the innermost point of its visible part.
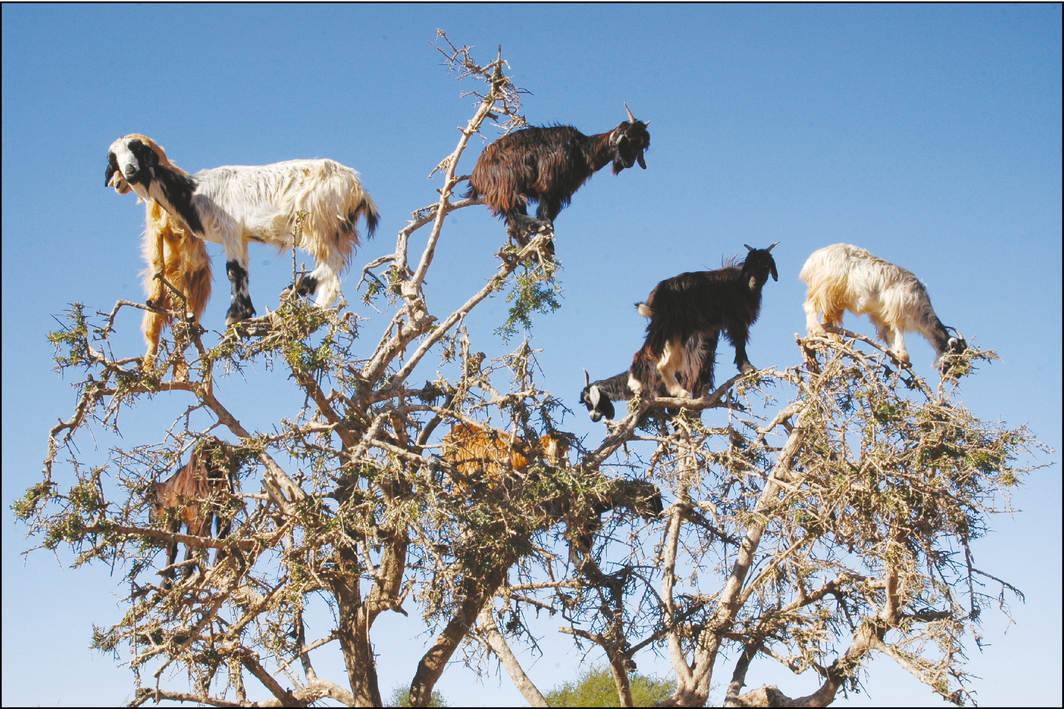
(816, 532)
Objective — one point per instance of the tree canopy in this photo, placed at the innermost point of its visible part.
(827, 513)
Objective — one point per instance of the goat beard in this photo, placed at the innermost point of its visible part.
(120, 184)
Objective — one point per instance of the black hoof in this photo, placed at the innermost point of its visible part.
(239, 312)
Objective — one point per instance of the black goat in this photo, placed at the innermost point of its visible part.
(548, 165)
(193, 497)
(699, 305)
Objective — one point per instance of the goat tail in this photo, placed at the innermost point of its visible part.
(370, 212)
(644, 310)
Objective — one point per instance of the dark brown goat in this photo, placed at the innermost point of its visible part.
(548, 165)
(193, 497)
(699, 305)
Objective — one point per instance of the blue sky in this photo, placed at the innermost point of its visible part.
(930, 135)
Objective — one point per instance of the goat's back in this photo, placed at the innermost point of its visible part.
(265, 199)
(183, 493)
(471, 449)
(846, 277)
(698, 301)
(530, 164)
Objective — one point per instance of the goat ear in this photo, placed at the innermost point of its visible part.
(144, 154)
(772, 266)
(109, 175)
(593, 397)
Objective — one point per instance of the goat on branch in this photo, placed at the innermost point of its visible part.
(237, 204)
(548, 165)
(842, 277)
(687, 314)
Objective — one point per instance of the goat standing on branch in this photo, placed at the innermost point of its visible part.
(687, 314)
(548, 165)
(236, 204)
(843, 277)
(193, 497)
(173, 253)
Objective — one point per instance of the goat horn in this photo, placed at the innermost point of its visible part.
(630, 116)
(749, 247)
(587, 378)
(770, 248)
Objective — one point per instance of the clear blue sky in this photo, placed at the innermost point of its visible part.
(930, 135)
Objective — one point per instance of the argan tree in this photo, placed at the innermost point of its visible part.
(816, 531)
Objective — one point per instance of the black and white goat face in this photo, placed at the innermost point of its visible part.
(129, 163)
(597, 402)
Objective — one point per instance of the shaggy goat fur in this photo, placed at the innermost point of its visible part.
(687, 314)
(172, 252)
(548, 165)
(192, 498)
(237, 204)
(484, 453)
(842, 277)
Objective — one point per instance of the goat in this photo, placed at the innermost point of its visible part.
(599, 396)
(842, 277)
(236, 204)
(192, 498)
(687, 314)
(172, 252)
(548, 165)
(477, 452)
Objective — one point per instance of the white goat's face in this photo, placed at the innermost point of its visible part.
(129, 163)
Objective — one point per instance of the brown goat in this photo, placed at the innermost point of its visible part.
(193, 497)
(483, 453)
(173, 252)
(548, 165)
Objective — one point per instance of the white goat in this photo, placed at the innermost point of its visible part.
(236, 204)
(843, 277)
(174, 253)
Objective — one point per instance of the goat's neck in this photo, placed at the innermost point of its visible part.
(599, 152)
(936, 334)
(616, 387)
(173, 189)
